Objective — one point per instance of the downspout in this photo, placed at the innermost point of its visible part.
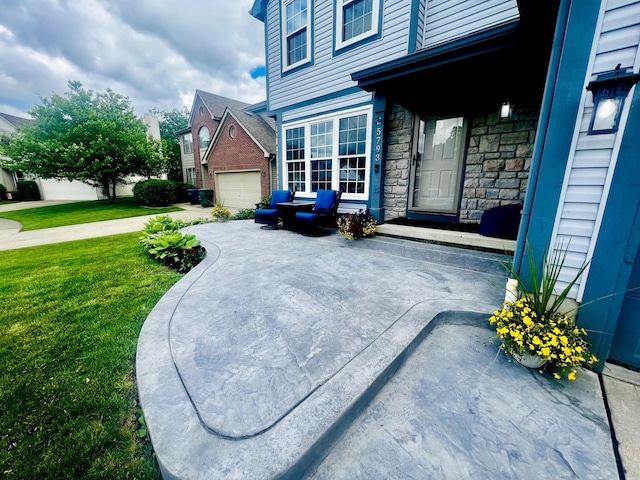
(541, 133)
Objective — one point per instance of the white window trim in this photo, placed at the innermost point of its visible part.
(187, 142)
(335, 166)
(200, 146)
(339, 16)
(283, 36)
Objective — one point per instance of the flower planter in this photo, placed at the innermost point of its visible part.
(530, 361)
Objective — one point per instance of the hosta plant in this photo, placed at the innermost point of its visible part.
(162, 239)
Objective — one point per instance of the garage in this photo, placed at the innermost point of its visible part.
(237, 190)
(52, 189)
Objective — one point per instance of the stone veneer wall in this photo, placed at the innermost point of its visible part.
(497, 163)
(398, 161)
(496, 169)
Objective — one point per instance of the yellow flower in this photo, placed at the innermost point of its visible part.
(528, 322)
(492, 319)
(564, 340)
(536, 340)
(567, 351)
(571, 376)
(578, 349)
(557, 331)
(502, 331)
(557, 376)
(546, 351)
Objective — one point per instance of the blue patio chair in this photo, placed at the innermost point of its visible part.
(324, 212)
(270, 216)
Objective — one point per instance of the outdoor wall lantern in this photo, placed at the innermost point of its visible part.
(609, 90)
(505, 110)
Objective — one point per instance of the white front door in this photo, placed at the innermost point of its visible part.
(438, 159)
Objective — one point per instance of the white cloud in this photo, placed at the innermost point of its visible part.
(156, 53)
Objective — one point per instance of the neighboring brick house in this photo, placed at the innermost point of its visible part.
(241, 157)
(239, 169)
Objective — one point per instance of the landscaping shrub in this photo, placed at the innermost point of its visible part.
(245, 214)
(181, 194)
(28, 190)
(162, 240)
(154, 193)
(3, 191)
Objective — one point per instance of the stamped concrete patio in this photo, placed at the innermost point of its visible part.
(287, 356)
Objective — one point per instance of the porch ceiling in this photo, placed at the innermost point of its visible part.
(476, 73)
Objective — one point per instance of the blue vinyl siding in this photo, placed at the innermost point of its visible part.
(593, 159)
(331, 70)
(448, 20)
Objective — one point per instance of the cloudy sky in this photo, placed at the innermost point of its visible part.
(156, 52)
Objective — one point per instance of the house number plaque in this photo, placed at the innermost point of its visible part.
(378, 137)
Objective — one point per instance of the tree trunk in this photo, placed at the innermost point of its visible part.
(106, 190)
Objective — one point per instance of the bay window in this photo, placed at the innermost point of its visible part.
(330, 153)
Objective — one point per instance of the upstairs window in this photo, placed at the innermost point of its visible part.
(296, 45)
(356, 20)
(203, 137)
(187, 144)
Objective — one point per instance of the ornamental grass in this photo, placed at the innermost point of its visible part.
(533, 324)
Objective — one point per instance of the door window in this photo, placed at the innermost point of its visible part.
(437, 169)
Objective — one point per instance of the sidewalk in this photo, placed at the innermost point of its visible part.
(12, 238)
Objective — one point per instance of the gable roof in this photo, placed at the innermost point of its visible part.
(216, 104)
(260, 128)
(15, 121)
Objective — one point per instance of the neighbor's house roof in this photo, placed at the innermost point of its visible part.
(255, 122)
(15, 121)
(216, 104)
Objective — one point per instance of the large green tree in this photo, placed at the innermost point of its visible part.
(84, 135)
(170, 124)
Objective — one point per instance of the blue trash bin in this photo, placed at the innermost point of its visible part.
(194, 196)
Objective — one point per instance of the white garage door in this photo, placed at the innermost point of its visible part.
(238, 190)
(51, 189)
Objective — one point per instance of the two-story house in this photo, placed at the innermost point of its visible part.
(438, 110)
(229, 147)
(414, 109)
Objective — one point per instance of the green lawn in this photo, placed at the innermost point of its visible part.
(69, 323)
(81, 212)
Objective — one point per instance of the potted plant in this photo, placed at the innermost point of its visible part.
(357, 225)
(534, 330)
(220, 212)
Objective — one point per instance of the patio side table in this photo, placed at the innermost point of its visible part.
(288, 211)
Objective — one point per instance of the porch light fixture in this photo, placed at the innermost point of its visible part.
(610, 90)
(505, 110)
